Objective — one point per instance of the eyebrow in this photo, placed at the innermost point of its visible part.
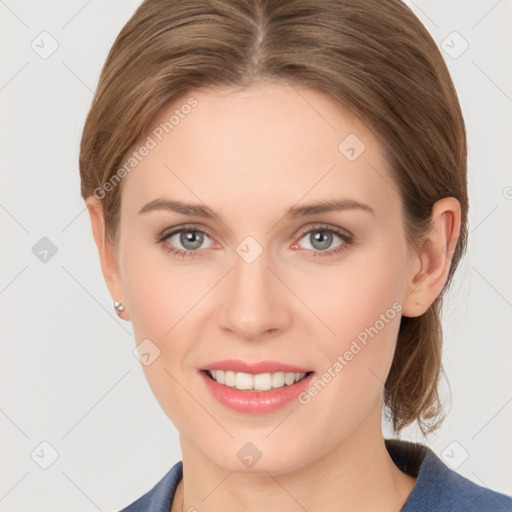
(199, 210)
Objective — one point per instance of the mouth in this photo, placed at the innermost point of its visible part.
(255, 387)
(258, 382)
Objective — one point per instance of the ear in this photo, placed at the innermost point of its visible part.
(430, 267)
(106, 250)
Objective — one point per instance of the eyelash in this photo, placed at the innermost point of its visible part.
(347, 241)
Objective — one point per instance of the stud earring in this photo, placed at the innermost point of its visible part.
(118, 306)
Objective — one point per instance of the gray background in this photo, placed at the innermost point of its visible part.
(68, 374)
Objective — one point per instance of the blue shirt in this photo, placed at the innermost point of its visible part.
(437, 489)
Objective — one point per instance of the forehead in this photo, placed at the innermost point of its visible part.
(268, 144)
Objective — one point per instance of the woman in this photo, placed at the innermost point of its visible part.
(277, 190)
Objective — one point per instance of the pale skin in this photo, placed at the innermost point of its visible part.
(249, 156)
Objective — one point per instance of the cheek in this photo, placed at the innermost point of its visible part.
(358, 359)
(158, 297)
(362, 306)
(158, 293)
(163, 300)
(356, 294)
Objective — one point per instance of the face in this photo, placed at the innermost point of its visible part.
(263, 278)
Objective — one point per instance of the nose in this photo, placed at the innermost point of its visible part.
(253, 303)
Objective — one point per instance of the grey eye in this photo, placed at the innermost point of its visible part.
(187, 239)
(320, 239)
(191, 239)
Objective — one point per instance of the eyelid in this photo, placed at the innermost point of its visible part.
(166, 233)
(327, 227)
(345, 236)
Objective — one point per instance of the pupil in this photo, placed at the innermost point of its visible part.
(322, 239)
(191, 237)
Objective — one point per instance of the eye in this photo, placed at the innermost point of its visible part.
(321, 238)
(186, 241)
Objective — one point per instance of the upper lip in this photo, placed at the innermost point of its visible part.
(237, 365)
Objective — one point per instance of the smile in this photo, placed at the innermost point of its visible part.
(257, 393)
(255, 382)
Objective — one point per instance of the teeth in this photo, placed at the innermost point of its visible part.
(229, 378)
(258, 382)
(244, 381)
(278, 380)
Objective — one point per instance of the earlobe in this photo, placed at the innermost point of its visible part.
(434, 258)
(106, 252)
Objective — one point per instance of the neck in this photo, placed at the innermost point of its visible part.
(358, 476)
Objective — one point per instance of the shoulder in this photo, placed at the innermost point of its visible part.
(159, 498)
(439, 488)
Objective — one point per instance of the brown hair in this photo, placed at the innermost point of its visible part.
(374, 58)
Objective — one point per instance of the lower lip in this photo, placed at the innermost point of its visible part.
(257, 402)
